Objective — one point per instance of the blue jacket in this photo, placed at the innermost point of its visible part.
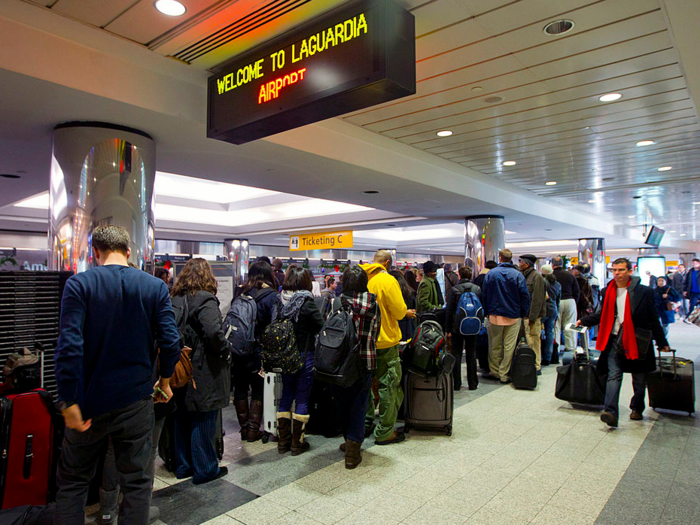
(505, 292)
(110, 318)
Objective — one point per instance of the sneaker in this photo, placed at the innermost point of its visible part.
(608, 419)
(636, 416)
(398, 437)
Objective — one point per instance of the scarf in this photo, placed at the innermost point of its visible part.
(293, 304)
(607, 321)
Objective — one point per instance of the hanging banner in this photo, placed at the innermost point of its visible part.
(320, 241)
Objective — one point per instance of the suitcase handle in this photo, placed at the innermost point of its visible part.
(661, 370)
(28, 456)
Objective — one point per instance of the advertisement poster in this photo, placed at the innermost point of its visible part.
(224, 293)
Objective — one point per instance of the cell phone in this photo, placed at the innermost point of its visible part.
(574, 328)
(159, 391)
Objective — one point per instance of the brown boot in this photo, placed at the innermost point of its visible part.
(242, 413)
(299, 445)
(284, 432)
(353, 457)
(254, 420)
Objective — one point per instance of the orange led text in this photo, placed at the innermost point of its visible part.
(271, 90)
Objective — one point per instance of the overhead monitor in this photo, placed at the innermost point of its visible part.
(649, 267)
(355, 56)
(654, 236)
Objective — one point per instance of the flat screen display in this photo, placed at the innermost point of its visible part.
(654, 236)
(649, 267)
(355, 56)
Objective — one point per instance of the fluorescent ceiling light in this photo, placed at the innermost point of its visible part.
(37, 202)
(610, 97)
(509, 163)
(510, 232)
(682, 234)
(645, 143)
(170, 7)
(444, 133)
(631, 216)
(591, 201)
(411, 234)
(529, 244)
(665, 168)
(173, 185)
(551, 183)
(620, 250)
(672, 231)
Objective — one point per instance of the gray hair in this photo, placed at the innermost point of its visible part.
(557, 262)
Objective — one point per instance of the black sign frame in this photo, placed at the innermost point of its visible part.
(379, 66)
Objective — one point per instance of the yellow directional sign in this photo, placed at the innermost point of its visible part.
(320, 241)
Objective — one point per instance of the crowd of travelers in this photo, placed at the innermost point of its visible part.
(123, 335)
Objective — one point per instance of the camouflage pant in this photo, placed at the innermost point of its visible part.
(388, 374)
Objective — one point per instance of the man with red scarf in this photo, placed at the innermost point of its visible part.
(627, 321)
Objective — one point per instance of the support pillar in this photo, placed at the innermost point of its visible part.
(238, 252)
(484, 237)
(592, 252)
(647, 251)
(686, 258)
(101, 174)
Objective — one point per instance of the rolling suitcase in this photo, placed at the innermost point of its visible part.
(27, 440)
(324, 415)
(271, 399)
(672, 384)
(428, 402)
(578, 380)
(523, 369)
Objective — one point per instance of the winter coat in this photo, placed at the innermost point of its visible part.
(428, 297)
(553, 297)
(505, 292)
(644, 315)
(667, 316)
(538, 296)
(211, 356)
(678, 282)
(688, 281)
(479, 279)
(307, 325)
(453, 300)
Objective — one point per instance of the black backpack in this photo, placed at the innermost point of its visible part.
(425, 349)
(523, 370)
(337, 358)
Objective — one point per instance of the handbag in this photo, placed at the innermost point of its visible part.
(669, 304)
(184, 371)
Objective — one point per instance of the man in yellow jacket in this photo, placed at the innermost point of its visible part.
(388, 371)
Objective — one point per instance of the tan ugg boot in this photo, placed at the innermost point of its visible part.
(299, 445)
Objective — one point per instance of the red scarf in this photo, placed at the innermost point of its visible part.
(607, 321)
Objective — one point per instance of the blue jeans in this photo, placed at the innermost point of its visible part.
(352, 404)
(194, 445)
(296, 388)
(612, 389)
(548, 324)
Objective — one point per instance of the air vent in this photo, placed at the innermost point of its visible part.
(258, 18)
(9, 176)
(558, 27)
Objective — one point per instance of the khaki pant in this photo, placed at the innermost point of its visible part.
(567, 315)
(533, 335)
(502, 342)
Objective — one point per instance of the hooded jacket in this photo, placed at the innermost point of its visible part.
(538, 295)
(391, 304)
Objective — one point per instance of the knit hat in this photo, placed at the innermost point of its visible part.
(429, 267)
(546, 269)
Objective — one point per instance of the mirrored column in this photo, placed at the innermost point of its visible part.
(238, 252)
(484, 236)
(592, 253)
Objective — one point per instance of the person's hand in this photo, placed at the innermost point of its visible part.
(579, 323)
(162, 391)
(449, 335)
(74, 418)
(411, 313)
(665, 295)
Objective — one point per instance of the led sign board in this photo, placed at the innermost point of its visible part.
(321, 241)
(355, 56)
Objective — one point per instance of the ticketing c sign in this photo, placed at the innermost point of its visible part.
(320, 241)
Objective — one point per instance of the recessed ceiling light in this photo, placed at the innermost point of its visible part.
(672, 231)
(477, 89)
(445, 133)
(610, 97)
(371, 192)
(682, 234)
(493, 100)
(551, 183)
(558, 27)
(645, 143)
(170, 7)
(665, 168)
(509, 163)
(591, 201)
(631, 216)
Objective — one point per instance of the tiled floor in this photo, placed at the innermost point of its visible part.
(514, 457)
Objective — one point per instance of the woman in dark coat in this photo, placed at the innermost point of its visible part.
(200, 402)
(406, 325)
(620, 345)
(262, 287)
(663, 295)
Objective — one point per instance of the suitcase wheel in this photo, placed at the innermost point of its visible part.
(266, 438)
(448, 431)
(406, 429)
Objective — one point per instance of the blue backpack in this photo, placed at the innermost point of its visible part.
(470, 314)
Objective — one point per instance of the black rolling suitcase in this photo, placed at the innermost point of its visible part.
(324, 416)
(523, 369)
(578, 380)
(672, 384)
(428, 402)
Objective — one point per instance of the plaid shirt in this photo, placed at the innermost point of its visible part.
(367, 318)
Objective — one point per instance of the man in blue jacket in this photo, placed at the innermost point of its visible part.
(111, 316)
(506, 301)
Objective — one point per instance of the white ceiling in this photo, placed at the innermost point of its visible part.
(94, 60)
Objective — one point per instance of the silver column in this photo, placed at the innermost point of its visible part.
(647, 251)
(484, 237)
(101, 174)
(592, 252)
(686, 258)
(238, 252)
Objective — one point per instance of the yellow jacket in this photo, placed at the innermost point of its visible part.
(391, 304)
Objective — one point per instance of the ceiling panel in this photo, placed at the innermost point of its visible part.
(95, 12)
